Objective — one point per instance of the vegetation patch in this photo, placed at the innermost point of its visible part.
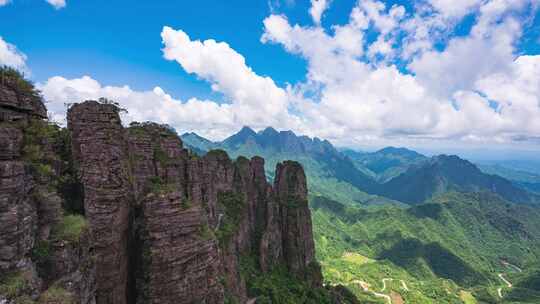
(41, 251)
(217, 153)
(467, 297)
(161, 156)
(186, 204)
(158, 186)
(205, 232)
(294, 202)
(13, 285)
(37, 135)
(56, 295)
(16, 81)
(356, 258)
(278, 286)
(70, 228)
(231, 205)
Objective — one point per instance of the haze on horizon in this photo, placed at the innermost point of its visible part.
(457, 76)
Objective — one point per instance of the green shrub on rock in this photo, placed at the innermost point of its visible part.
(13, 285)
(56, 295)
(70, 228)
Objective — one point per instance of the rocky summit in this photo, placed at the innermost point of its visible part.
(101, 213)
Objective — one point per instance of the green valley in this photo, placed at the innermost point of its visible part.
(445, 251)
(395, 226)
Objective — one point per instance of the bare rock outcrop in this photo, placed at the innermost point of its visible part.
(18, 100)
(176, 255)
(159, 224)
(179, 256)
(100, 149)
(184, 222)
(30, 206)
(297, 236)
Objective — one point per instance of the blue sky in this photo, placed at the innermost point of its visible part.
(361, 73)
(119, 43)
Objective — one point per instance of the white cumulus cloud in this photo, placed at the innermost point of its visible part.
(11, 56)
(317, 9)
(203, 116)
(57, 4)
(475, 89)
(454, 8)
(450, 94)
(257, 100)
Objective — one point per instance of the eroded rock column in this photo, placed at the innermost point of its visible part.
(290, 190)
(177, 257)
(100, 150)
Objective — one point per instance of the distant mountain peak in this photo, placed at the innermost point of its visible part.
(443, 173)
(192, 134)
(247, 130)
(400, 151)
(269, 131)
(245, 134)
(455, 162)
(288, 132)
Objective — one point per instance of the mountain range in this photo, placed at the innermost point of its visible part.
(388, 176)
(396, 226)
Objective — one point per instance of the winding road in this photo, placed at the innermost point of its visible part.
(505, 263)
(384, 283)
(508, 284)
(404, 285)
(366, 288)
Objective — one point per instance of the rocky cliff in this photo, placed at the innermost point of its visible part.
(101, 213)
(192, 219)
(100, 150)
(42, 257)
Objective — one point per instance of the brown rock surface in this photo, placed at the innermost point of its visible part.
(18, 215)
(29, 204)
(17, 103)
(190, 219)
(100, 149)
(73, 268)
(179, 256)
(297, 236)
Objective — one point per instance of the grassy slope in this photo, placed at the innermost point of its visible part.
(440, 249)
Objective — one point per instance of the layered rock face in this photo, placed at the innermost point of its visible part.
(183, 222)
(18, 215)
(31, 250)
(297, 235)
(158, 224)
(100, 149)
(176, 259)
